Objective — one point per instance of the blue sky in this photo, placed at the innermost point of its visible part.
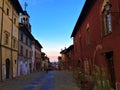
(53, 22)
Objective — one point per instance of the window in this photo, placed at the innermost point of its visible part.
(21, 37)
(29, 43)
(7, 11)
(6, 38)
(23, 20)
(21, 49)
(26, 41)
(14, 20)
(87, 35)
(26, 53)
(106, 21)
(30, 54)
(15, 61)
(14, 42)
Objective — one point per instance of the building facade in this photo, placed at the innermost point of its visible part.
(67, 55)
(63, 59)
(33, 56)
(9, 13)
(25, 45)
(38, 59)
(96, 38)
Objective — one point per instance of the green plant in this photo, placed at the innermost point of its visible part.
(100, 77)
(77, 74)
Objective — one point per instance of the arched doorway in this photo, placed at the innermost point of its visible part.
(7, 68)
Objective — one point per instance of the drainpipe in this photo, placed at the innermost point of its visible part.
(1, 42)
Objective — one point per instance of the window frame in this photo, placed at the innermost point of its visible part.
(14, 42)
(21, 50)
(88, 35)
(8, 11)
(26, 53)
(7, 35)
(21, 36)
(106, 22)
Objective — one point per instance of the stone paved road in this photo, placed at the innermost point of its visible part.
(64, 81)
(53, 80)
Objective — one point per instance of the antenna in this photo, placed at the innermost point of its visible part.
(25, 5)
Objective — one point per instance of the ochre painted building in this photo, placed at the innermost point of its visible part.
(9, 11)
(67, 58)
(96, 37)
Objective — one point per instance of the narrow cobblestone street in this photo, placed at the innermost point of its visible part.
(53, 80)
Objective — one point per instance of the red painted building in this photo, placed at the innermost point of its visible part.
(96, 38)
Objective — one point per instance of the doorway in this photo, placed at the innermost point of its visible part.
(7, 68)
(110, 62)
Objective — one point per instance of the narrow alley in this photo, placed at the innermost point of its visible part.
(53, 80)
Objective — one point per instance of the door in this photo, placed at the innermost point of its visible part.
(7, 68)
(110, 62)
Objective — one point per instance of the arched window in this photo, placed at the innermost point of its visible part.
(14, 42)
(87, 35)
(7, 38)
(23, 20)
(106, 20)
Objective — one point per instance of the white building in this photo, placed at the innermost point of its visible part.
(25, 45)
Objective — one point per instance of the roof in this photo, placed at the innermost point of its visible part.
(67, 50)
(17, 6)
(37, 42)
(86, 8)
(42, 53)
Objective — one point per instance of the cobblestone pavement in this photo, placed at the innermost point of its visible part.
(64, 81)
(53, 80)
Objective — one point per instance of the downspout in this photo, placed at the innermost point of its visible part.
(1, 41)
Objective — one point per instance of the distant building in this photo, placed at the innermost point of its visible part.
(45, 61)
(9, 13)
(67, 58)
(63, 60)
(60, 63)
